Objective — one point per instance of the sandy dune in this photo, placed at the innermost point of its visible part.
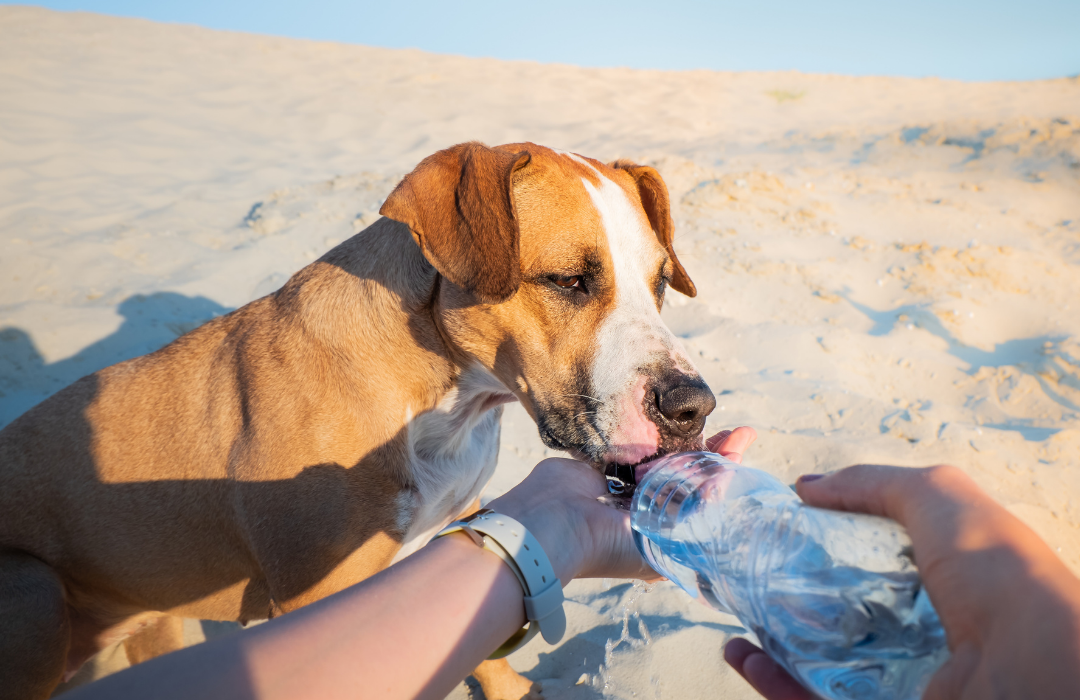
(889, 269)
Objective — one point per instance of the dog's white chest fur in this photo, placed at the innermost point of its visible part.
(453, 449)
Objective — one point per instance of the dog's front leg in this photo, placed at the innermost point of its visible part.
(159, 637)
(500, 682)
(36, 627)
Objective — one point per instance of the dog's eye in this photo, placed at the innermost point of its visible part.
(567, 281)
(665, 282)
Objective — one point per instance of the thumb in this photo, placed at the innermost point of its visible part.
(864, 488)
(927, 501)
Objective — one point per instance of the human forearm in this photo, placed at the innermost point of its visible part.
(413, 630)
(419, 627)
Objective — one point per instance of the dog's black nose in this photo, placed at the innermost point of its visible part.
(685, 405)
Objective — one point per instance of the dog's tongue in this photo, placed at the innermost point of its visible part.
(622, 479)
(644, 468)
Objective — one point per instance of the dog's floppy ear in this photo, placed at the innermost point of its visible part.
(654, 199)
(459, 205)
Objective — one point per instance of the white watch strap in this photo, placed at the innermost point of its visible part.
(543, 597)
(521, 551)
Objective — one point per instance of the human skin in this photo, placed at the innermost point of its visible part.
(419, 627)
(1010, 607)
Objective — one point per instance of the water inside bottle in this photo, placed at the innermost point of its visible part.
(823, 594)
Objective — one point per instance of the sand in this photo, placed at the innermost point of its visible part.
(888, 269)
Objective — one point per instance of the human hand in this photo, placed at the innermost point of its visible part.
(732, 443)
(583, 537)
(1010, 608)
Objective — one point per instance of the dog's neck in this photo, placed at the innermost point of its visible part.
(368, 302)
(440, 407)
(426, 391)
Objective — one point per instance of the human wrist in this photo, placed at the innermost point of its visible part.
(550, 528)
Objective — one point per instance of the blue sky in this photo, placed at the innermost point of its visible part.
(965, 39)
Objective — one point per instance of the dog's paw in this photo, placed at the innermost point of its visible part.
(516, 688)
(500, 682)
(526, 691)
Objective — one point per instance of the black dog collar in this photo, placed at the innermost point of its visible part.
(620, 479)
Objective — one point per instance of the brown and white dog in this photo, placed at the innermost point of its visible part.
(300, 444)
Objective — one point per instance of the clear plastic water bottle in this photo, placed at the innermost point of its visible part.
(834, 597)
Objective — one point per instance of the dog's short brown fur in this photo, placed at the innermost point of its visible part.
(294, 447)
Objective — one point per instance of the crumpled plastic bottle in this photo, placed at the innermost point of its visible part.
(833, 597)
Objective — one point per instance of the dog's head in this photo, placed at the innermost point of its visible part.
(553, 271)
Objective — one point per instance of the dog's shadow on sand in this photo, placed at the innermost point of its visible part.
(150, 322)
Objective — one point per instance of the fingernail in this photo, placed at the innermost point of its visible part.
(809, 477)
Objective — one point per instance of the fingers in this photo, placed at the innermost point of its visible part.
(732, 443)
(712, 443)
(865, 488)
(765, 675)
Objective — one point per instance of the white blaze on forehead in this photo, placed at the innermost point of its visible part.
(633, 336)
(632, 245)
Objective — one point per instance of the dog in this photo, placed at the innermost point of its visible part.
(307, 440)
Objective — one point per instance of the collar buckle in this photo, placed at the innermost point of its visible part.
(620, 479)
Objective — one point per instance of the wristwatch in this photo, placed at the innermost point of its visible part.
(516, 546)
